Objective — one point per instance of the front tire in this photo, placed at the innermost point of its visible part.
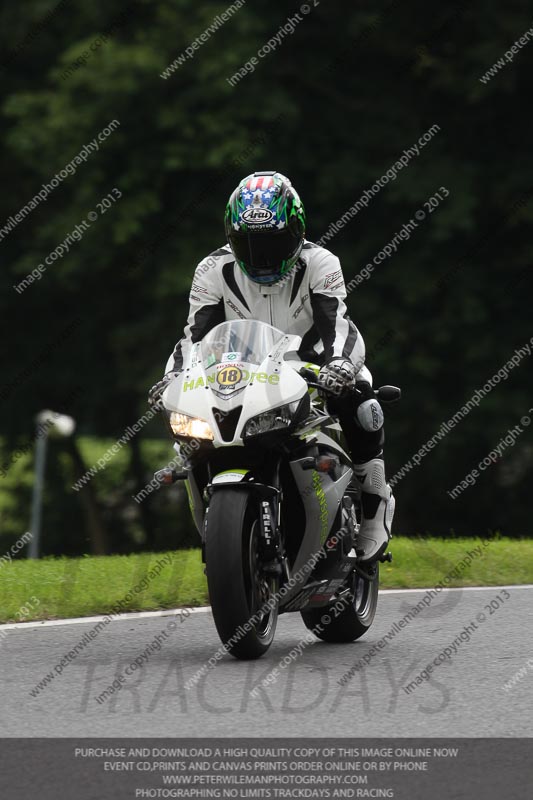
(356, 616)
(237, 588)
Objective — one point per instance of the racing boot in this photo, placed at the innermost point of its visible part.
(377, 503)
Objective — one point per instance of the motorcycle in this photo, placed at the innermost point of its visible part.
(270, 487)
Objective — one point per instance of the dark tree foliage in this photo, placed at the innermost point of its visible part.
(334, 106)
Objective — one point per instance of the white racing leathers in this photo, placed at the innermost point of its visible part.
(309, 302)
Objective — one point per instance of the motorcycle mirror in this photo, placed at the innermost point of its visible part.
(388, 394)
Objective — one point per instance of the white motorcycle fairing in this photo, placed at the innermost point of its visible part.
(201, 391)
(225, 373)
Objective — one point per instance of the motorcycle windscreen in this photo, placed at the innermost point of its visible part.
(233, 352)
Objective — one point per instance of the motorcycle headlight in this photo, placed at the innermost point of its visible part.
(275, 419)
(193, 427)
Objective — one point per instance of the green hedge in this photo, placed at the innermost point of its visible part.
(161, 522)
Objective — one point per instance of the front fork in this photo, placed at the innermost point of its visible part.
(271, 552)
(271, 546)
(268, 498)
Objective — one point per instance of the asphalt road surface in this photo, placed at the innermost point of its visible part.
(465, 695)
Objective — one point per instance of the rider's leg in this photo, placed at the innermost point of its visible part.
(377, 501)
(377, 504)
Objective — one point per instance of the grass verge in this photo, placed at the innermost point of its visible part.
(55, 588)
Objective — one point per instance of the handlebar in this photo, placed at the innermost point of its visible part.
(385, 394)
(388, 394)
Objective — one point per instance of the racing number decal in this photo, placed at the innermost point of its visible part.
(229, 376)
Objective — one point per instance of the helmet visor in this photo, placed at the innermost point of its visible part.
(263, 252)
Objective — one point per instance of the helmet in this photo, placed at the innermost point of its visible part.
(265, 226)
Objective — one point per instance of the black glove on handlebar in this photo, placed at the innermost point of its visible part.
(154, 395)
(363, 391)
(337, 377)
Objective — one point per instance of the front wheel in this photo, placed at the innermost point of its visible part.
(350, 616)
(238, 589)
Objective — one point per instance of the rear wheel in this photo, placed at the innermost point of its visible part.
(351, 615)
(238, 589)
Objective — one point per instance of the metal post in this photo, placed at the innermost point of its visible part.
(48, 423)
(37, 498)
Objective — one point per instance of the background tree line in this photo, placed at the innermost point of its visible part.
(333, 106)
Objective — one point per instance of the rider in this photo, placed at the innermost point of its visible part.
(268, 271)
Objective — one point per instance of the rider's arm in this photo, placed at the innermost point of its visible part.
(206, 310)
(339, 335)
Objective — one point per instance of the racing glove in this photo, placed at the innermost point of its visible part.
(154, 395)
(338, 376)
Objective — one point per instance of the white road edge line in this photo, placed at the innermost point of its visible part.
(169, 612)
(462, 588)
